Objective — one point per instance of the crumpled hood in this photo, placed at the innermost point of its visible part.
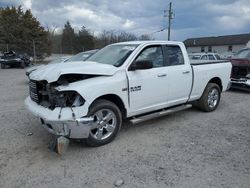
(52, 72)
(33, 68)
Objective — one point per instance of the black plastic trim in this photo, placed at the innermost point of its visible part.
(210, 62)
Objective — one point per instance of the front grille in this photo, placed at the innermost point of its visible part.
(33, 91)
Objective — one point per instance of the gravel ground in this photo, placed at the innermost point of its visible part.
(185, 149)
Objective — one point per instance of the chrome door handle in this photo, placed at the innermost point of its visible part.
(185, 72)
(161, 75)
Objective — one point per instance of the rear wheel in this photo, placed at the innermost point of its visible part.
(107, 122)
(210, 98)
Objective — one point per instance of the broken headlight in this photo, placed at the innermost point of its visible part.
(68, 99)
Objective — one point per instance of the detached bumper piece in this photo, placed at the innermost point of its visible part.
(59, 145)
(77, 129)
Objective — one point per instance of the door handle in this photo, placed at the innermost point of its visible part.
(185, 72)
(161, 75)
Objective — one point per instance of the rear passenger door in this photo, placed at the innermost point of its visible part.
(179, 75)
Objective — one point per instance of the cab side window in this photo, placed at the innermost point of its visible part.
(217, 57)
(174, 55)
(204, 57)
(153, 54)
(211, 57)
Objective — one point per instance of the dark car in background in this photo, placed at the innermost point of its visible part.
(240, 77)
(13, 59)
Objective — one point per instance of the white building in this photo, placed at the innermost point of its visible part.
(219, 44)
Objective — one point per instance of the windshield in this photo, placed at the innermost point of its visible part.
(59, 60)
(245, 53)
(113, 55)
(80, 57)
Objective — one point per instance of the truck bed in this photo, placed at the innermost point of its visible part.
(203, 72)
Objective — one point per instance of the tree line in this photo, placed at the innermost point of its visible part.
(22, 32)
(20, 29)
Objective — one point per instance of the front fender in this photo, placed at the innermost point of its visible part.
(92, 88)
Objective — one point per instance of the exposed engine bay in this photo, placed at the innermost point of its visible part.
(47, 95)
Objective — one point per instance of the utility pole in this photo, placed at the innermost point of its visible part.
(170, 17)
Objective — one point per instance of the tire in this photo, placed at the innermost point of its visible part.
(2, 66)
(103, 132)
(210, 98)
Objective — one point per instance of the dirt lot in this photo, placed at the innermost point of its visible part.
(186, 149)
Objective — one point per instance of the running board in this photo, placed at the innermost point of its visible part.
(142, 118)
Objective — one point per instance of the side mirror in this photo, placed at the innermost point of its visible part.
(141, 65)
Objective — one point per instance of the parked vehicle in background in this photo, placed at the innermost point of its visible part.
(35, 67)
(13, 59)
(227, 55)
(240, 77)
(82, 56)
(204, 56)
(136, 80)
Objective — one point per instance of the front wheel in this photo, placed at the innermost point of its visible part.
(210, 98)
(107, 122)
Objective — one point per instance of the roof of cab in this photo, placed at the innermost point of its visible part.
(147, 42)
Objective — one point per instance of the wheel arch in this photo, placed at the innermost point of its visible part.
(116, 100)
(217, 80)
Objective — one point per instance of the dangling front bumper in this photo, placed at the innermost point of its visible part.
(78, 128)
(68, 126)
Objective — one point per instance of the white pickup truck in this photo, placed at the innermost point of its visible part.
(135, 81)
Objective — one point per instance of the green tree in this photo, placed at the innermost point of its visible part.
(33, 31)
(68, 38)
(10, 26)
(84, 40)
(20, 30)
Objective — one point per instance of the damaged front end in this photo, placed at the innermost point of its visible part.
(47, 95)
(62, 113)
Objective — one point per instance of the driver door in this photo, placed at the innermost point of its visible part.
(147, 88)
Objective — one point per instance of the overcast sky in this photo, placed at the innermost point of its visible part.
(192, 18)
